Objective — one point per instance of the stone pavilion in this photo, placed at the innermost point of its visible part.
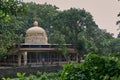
(36, 51)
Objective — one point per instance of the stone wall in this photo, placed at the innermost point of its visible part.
(11, 72)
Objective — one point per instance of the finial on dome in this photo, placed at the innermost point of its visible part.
(35, 23)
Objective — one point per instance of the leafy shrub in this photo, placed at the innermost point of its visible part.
(95, 67)
(21, 76)
(38, 76)
(48, 76)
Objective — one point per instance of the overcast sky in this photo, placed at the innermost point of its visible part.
(104, 12)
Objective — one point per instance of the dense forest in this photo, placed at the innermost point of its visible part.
(72, 26)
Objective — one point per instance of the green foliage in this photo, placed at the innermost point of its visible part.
(95, 67)
(114, 46)
(6, 79)
(38, 76)
(11, 7)
(87, 46)
(80, 30)
(21, 76)
(71, 23)
(102, 42)
(3, 51)
(47, 76)
(9, 36)
(72, 26)
(57, 37)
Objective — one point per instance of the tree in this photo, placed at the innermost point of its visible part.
(43, 13)
(71, 22)
(11, 7)
(78, 26)
(114, 46)
(75, 26)
(8, 36)
(101, 39)
(12, 32)
(94, 67)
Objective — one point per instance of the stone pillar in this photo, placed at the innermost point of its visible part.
(77, 57)
(25, 58)
(19, 59)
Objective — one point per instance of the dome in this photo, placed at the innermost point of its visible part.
(36, 35)
(35, 30)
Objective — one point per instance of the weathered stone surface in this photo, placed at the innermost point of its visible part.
(36, 35)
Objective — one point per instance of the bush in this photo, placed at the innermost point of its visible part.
(38, 76)
(95, 67)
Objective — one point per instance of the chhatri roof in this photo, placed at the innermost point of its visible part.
(35, 29)
(36, 35)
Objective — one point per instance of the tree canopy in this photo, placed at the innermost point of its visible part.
(11, 7)
(74, 26)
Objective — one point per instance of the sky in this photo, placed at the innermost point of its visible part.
(104, 12)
